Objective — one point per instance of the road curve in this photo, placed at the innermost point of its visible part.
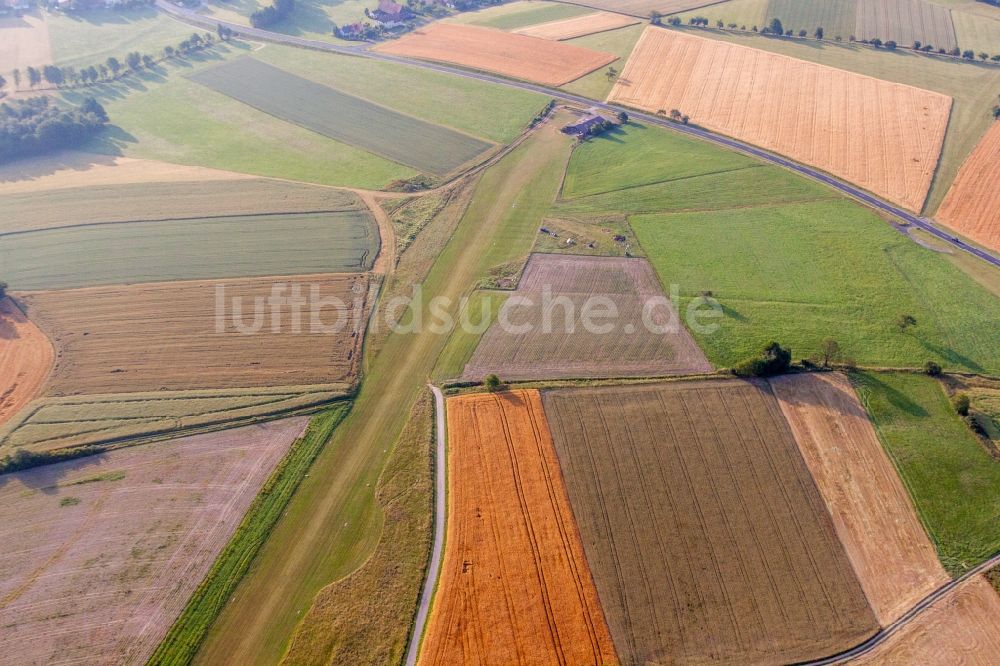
(363, 50)
(909, 616)
(434, 568)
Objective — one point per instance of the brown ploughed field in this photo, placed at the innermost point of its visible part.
(25, 360)
(517, 56)
(961, 628)
(871, 509)
(515, 587)
(559, 345)
(164, 336)
(972, 206)
(113, 545)
(707, 538)
(882, 136)
(578, 26)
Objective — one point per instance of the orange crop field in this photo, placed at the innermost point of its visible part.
(885, 137)
(961, 628)
(972, 206)
(25, 359)
(515, 587)
(166, 336)
(517, 56)
(578, 26)
(889, 550)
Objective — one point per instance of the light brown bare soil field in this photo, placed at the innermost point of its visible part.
(706, 536)
(161, 201)
(972, 206)
(514, 587)
(72, 169)
(24, 42)
(116, 543)
(164, 336)
(643, 8)
(871, 509)
(906, 21)
(961, 628)
(578, 26)
(25, 360)
(885, 137)
(517, 56)
(553, 298)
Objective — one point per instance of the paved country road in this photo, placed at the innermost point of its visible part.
(363, 50)
(434, 568)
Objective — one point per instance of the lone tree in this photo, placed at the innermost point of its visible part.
(829, 352)
(961, 403)
(905, 321)
(612, 73)
(776, 27)
(932, 368)
(819, 33)
(492, 383)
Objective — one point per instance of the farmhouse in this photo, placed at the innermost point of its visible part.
(390, 14)
(353, 31)
(589, 124)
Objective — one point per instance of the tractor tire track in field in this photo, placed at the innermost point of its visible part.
(852, 191)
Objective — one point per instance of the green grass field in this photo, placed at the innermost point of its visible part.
(336, 242)
(404, 139)
(978, 33)
(620, 42)
(747, 13)
(312, 19)
(520, 14)
(954, 482)
(188, 630)
(837, 17)
(486, 110)
(799, 273)
(972, 86)
(91, 37)
(60, 423)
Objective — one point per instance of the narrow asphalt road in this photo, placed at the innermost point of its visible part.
(363, 50)
(434, 568)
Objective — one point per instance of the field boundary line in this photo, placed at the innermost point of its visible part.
(437, 549)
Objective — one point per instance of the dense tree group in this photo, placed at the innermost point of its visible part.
(272, 14)
(37, 125)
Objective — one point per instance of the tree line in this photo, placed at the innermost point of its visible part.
(272, 14)
(37, 125)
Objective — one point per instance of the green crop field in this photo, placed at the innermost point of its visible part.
(293, 244)
(131, 202)
(514, 15)
(954, 482)
(337, 115)
(486, 110)
(799, 273)
(60, 423)
(620, 42)
(973, 87)
(91, 37)
(837, 17)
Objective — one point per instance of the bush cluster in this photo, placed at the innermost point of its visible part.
(773, 360)
(36, 125)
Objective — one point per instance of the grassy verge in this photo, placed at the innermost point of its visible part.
(187, 633)
(365, 618)
(480, 312)
(954, 483)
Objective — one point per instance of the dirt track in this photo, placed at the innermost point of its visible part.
(578, 26)
(517, 56)
(972, 206)
(26, 358)
(871, 509)
(515, 587)
(963, 628)
(885, 137)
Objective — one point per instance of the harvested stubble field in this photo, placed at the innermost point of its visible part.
(195, 196)
(49, 424)
(26, 357)
(643, 8)
(836, 17)
(517, 56)
(976, 30)
(194, 249)
(906, 21)
(514, 587)
(25, 42)
(872, 512)
(972, 206)
(556, 293)
(706, 535)
(404, 139)
(164, 336)
(814, 114)
(961, 628)
(118, 542)
(578, 26)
